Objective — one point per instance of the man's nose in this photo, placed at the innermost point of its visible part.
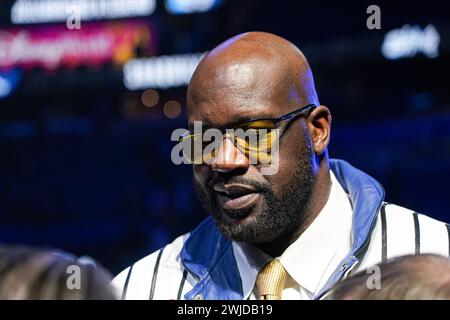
(229, 157)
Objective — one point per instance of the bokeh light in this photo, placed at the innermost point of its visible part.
(150, 98)
(172, 109)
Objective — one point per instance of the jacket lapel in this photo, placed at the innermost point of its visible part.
(209, 256)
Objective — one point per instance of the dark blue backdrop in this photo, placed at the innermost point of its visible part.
(86, 167)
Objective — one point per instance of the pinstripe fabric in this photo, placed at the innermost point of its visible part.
(416, 233)
(383, 234)
(125, 286)
(183, 280)
(155, 275)
(448, 233)
(401, 231)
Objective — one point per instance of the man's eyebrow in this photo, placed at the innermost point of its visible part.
(233, 123)
(247, 118)
(238, 121)
(205, 125)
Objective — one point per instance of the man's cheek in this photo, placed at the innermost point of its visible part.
(200, 174)
(286, 171)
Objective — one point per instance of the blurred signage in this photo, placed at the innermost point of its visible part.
(190, 6)
(160, 72)
(43, 11)
(409, 41)
(53, 46)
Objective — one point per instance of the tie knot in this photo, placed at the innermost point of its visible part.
(270, 280)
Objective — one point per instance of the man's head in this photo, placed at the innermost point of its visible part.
(252, 76)
(420, 277)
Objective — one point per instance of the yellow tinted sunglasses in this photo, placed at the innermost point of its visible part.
(255, 139)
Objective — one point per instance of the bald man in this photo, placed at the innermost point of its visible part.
(289, 234)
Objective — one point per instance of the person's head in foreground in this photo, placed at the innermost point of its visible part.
(420, 277)
(41, 274)
(302, 226)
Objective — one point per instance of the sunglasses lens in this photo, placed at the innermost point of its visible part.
(256, 139)
(191, 152)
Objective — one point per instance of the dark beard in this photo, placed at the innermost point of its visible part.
(279, 216)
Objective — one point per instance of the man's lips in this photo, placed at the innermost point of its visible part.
(236, 197)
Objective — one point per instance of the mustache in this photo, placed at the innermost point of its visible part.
(221, 179)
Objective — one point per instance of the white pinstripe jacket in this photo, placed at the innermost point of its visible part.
(201, 264)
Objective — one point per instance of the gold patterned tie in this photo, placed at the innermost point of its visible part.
(270, 280)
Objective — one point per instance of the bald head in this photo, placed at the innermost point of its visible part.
(250, 68)
(250, 77)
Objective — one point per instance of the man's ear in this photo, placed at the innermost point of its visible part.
(319, 125)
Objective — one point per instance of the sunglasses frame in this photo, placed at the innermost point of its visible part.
(288, 116)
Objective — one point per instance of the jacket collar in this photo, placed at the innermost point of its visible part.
(209, 256)
(366, 196)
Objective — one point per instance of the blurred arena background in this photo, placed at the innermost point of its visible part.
(86, 114)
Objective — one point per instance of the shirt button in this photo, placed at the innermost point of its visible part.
(344, 266)
(198, 297)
